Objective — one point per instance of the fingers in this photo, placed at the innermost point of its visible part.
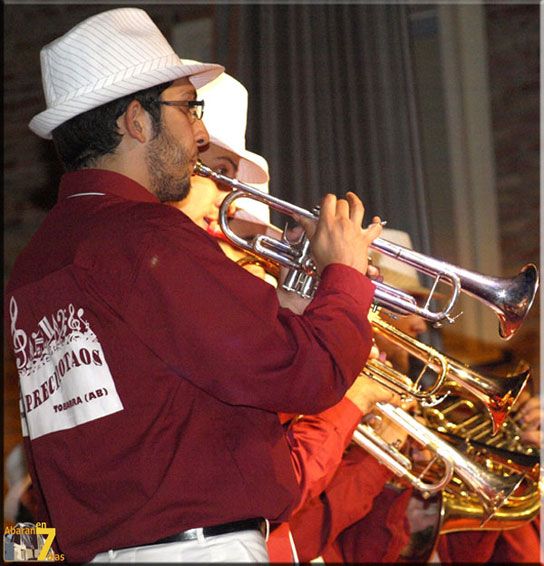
(351, 207)
(374, 230)
(328, 206)
(338, 236)
(309, 225)
(373, 272)
(356, 208)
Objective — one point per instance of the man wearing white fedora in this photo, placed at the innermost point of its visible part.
(151, 368)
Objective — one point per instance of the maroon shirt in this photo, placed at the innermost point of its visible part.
(152, 368)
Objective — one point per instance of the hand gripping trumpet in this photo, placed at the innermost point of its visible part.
(511, 298)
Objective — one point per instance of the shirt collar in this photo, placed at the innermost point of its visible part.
(100, 180)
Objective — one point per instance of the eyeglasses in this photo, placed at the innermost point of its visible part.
(195, 107)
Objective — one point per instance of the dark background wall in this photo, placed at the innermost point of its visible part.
(31, 173)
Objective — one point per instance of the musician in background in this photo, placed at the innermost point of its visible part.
(361, 516)
(317, 441)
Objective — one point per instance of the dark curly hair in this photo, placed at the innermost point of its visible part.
(80, 141)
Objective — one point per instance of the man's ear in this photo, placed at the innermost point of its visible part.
(135, 122)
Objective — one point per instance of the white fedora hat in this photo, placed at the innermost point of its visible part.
(105, 57)
(225, 118)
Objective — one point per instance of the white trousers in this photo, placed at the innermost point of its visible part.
(242, 546)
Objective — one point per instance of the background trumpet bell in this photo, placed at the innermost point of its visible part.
(498, 394)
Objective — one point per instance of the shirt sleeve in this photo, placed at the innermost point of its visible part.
(467, 546)
(316, 444)
(515, 546)
(347, 499)
(222, 328)
(379, 536)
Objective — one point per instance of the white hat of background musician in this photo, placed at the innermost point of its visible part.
(107, 56)
(394, 272)
(225, 118)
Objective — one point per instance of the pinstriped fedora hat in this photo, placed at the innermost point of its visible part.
(105, 57)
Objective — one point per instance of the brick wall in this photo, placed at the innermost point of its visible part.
(514, 46)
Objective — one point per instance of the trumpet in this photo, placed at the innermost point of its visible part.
(492, 490)
(366, 437)
(455, 509)
(460, 421)
(510, 298)
(498, 394)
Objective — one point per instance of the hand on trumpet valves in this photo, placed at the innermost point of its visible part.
(365, 392)
(392, 434)
(386, 429)
(337, 237)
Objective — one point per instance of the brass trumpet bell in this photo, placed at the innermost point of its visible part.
(498, 394)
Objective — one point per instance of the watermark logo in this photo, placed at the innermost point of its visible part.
(29, 542)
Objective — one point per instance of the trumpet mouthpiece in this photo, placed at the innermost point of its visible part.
(201, 169)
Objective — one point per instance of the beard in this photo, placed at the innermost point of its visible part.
(168, 163)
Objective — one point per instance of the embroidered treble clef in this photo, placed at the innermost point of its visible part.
(18, 336)
(73, 322)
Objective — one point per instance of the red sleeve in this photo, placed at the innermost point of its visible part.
(187, 302)
(515, 546)
(467, 546)
(348, 497)
(519, 545)
(379, 536)
(316, 444)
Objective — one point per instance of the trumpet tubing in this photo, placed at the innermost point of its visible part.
(511, 299)
(462, 423)
(461, 512)
(498, 394)
(492, 490)
(366, 437)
